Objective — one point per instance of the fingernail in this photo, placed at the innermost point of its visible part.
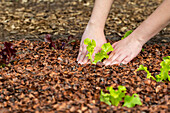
(79, 62)
(115, 63)
(107, 63)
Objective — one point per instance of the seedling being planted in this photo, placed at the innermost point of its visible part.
(107, 47)
(114, 97)
(165, 68)
(90, 47)
(7, 54)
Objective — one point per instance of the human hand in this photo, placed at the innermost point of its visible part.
(91, 32)
(124, 51)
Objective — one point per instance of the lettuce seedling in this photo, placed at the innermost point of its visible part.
(127, 34)
(107, 47)
(163, 75)
(48, 39)
(142, 68)
(7, 53)
(131, 101)
(105, 97)
(114, 97)
(165, 68)
(90, 47)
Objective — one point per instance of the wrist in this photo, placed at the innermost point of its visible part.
(138, 38)
(96, 24)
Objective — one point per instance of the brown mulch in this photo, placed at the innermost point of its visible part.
(46, 80)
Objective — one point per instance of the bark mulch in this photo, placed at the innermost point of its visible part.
(46, 80)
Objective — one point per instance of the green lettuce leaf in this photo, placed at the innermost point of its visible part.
(131, 101)
(165, 68)
(90, 47)
(116, 96)
(105, 97)
(142, 68)
(107, 47)
(99, 56)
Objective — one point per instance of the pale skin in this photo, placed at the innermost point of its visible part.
(127, 49)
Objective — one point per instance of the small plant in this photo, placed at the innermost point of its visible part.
(7, 54)
(115, 97)
(60, 46)
(48, 39)
(90, 47)
(163, 75)
(107, 47)
(131, 101)
(142, 68)
(165, 68)
(127, 34)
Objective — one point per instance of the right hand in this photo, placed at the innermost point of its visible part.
(91, 32)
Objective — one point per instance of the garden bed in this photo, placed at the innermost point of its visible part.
(46, 80)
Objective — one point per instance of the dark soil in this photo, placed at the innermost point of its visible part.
(46, 80)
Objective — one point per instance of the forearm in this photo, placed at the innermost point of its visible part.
(100, 12)
(154, 23)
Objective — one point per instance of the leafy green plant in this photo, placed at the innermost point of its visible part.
(131, 101)
(107, 47)
(165, 68)
(7, 54)
(90, 47)
(115, 97)
(142, 68)
(163, 75)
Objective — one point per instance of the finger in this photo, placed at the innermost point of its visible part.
(82, 56)
(113, 45)
(96, 50)
(112, 58)
(109, 59)
(85, 60)
(80, 50)
(88, 62)
(127, 59)
(119, 59)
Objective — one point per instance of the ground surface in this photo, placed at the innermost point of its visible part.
(61, 18)
(46, 80)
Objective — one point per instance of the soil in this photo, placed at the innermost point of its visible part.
(46, 80)
(51, 81)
